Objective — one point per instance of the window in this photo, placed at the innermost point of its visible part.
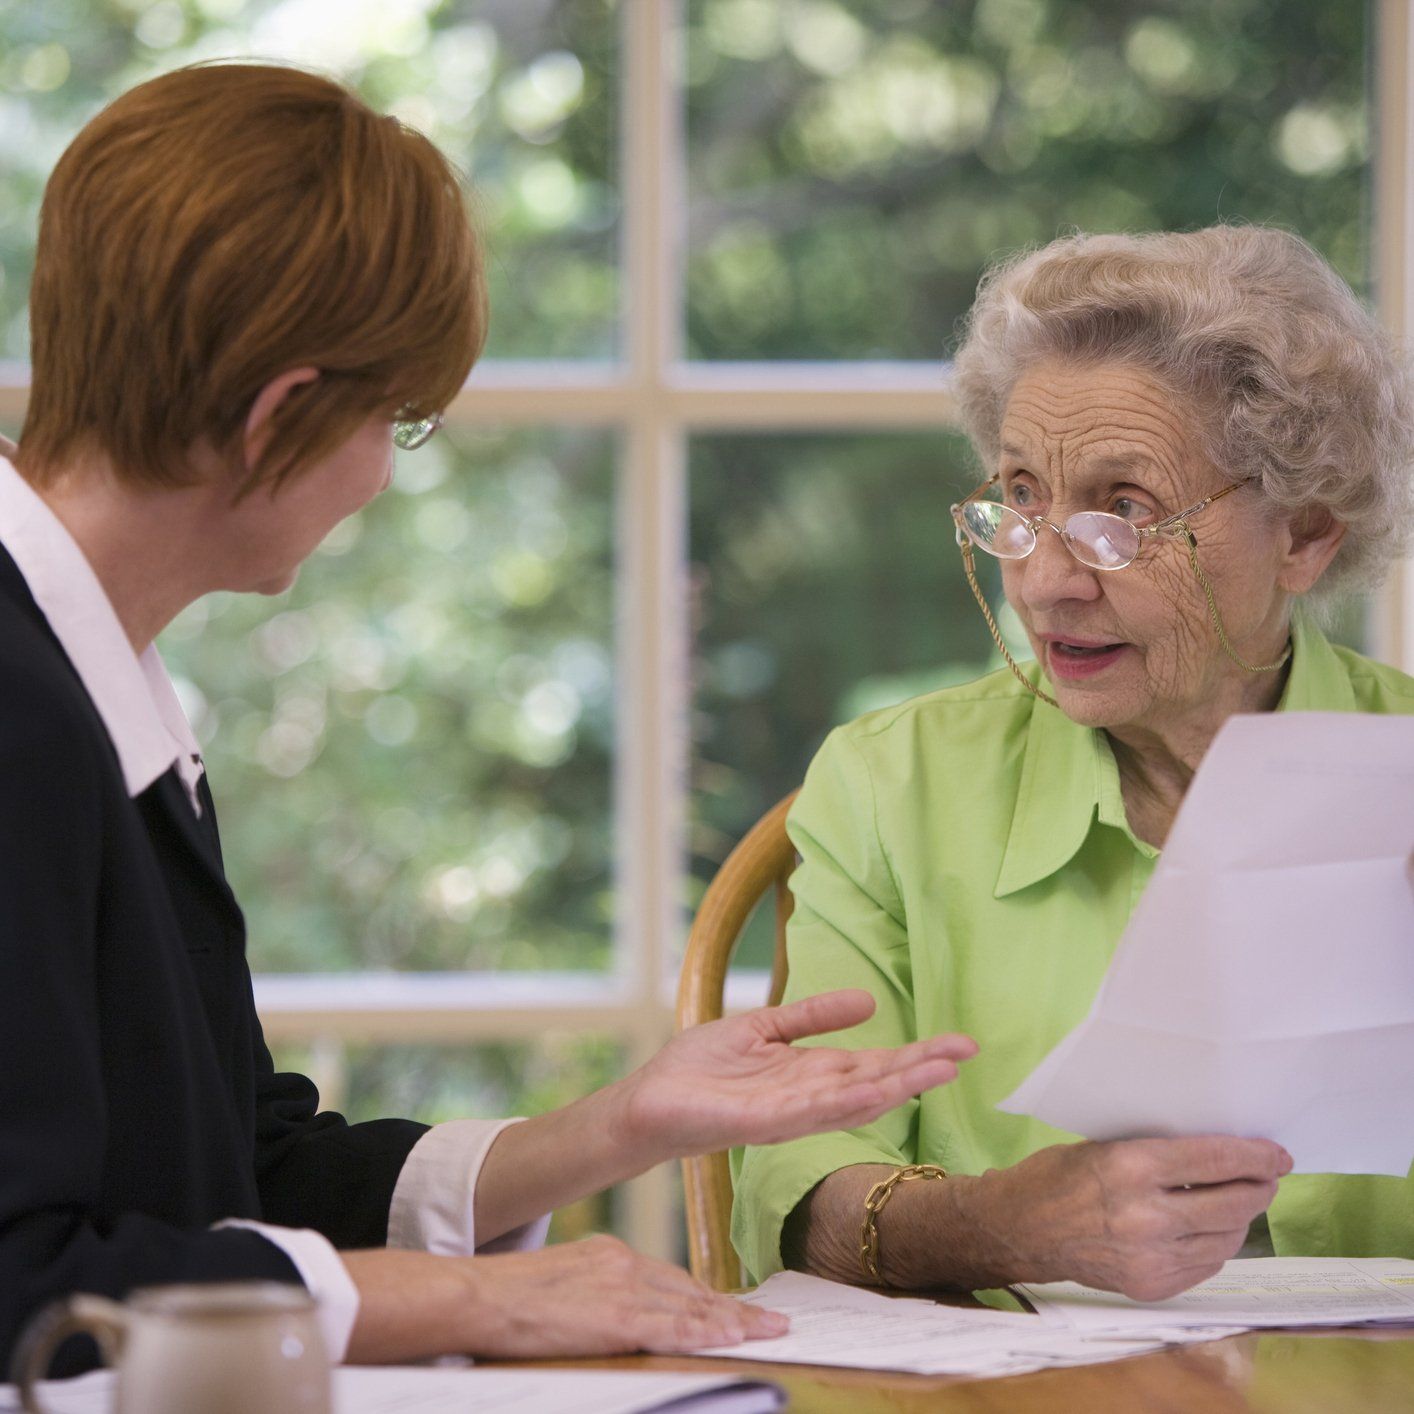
(691, 510)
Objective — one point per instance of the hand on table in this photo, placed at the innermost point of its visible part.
(593, 1297)
(1145, 1217)
(740, 1081)
(600, 1297)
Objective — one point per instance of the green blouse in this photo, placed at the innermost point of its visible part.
(966, 859)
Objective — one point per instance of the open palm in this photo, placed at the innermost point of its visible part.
(740, 1081)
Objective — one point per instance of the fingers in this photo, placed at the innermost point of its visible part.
(867, 1099)
(1171, 1281)
(952, 1044)
(1219, 1159)
(667, 1309)
(1212, 1248)
(1223, 1207)
(707, 1320)
(755, 1322)
(599, 1297)
(675, 1327)
(877, 1063)
(762, 1324)
(869, 1083)
(1192, 1259)
(833, 1103)
(834, 1098)
(828, 1011)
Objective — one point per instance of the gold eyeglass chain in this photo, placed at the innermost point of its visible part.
(1191, 541)
(992, 624)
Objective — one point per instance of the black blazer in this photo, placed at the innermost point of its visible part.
(138, 1102)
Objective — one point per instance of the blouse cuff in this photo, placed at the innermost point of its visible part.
(322, 1270)
(433, 1202)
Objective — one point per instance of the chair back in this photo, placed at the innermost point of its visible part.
(760, 865)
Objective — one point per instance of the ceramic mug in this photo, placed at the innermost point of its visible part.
(227, 1348)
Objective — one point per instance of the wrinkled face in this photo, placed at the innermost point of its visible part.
(1132, 647)
(277, 530)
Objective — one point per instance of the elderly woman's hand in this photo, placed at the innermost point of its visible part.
(1145, 1217)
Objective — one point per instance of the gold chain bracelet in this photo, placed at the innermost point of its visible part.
(874, 1204)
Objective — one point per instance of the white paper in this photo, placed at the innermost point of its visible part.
(424, 1390)
(1265, 984)
(1247, 1293)
(843, 1326)
(488, 1388)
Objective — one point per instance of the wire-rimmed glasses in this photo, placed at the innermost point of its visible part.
(1098, 539)
(410, 433)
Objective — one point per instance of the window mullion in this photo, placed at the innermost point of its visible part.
(1393, 176)
(651, 756)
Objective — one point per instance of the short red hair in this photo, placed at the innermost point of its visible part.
(222, 224)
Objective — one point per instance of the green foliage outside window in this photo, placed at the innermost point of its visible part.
(521, 94)
(410, 751)
(855, 165)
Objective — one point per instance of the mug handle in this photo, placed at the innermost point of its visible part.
(104, 1320)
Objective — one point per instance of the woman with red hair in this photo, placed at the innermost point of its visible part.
(249, 288)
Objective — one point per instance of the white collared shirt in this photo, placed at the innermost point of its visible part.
(432, 1204)
(132, 692)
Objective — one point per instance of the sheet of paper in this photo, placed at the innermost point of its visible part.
(423, 1390)
(843, 1326)
(487, 1388)
(1251, 1292)
(1265, 984)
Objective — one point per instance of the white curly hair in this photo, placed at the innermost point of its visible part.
(1299, 388)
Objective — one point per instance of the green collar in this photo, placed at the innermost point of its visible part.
(1069, 780)
(1319, 681)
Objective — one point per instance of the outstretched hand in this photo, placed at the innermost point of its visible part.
(740, 1081)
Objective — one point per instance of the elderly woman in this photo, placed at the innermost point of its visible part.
(1188, 439)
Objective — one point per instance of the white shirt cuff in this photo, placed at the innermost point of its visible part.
(433, 1208)
(322, 1270)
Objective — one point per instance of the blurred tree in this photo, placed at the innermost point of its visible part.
(412, 747)
(854, 166)
(522, 94)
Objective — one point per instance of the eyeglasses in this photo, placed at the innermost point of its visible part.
(411, 433)
(1096, 538)
(1099, 540)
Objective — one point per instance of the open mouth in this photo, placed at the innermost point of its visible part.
(1070, 659)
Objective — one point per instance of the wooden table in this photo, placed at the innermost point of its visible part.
(1272, 1372)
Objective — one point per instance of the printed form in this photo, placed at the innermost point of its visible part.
(1257, 1291)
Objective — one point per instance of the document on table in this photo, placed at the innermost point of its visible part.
(1265, 984)
(1256, 1291)
(837, 1325)
(478, 1390)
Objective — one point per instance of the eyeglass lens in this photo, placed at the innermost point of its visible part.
(1095, 538)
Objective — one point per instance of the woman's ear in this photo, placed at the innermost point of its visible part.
(259, 423)
(1313, 537)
